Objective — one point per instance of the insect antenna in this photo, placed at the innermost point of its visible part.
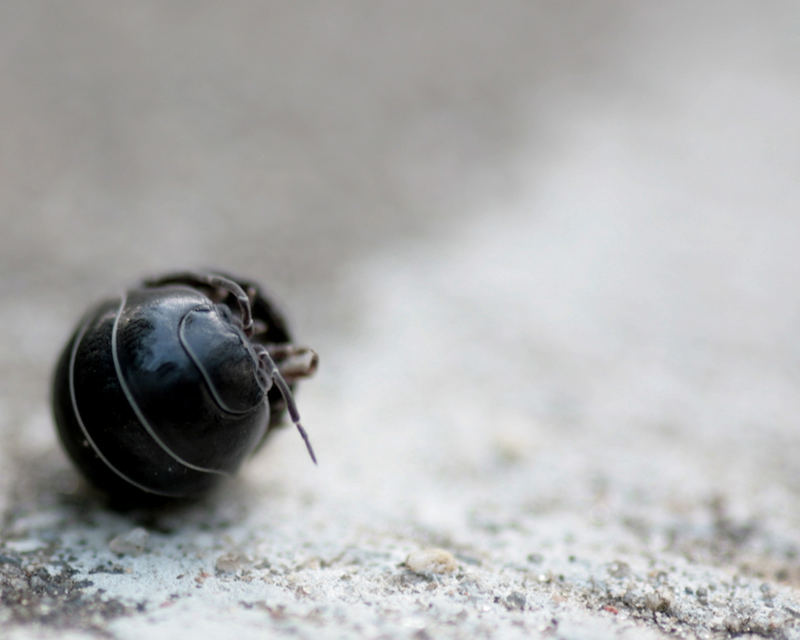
(242, 299)
(278, 380)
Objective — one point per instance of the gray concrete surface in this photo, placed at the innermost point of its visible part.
(547, 255)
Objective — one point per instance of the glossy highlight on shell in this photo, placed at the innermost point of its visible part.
(169, 387)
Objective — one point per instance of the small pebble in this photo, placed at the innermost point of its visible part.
(132, 543)
(230, 562)
(431, 561)
(619, 569)
(515, 600)
(657, 602)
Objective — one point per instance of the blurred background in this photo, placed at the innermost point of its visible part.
(557, 238)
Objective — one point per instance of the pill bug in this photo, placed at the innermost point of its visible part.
(169, 387)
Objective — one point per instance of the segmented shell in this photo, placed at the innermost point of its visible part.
(158, 391)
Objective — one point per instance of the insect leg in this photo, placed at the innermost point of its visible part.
(293, 362)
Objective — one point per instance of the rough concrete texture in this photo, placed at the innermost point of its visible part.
(549, 259)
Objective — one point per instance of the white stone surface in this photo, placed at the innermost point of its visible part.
(576, 369)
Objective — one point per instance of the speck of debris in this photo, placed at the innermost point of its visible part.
(200, 578)
(107, 568)
(132, 543)
(657, 602)
(428, 561)
(231, 562)
(619, 569)
(515, 600)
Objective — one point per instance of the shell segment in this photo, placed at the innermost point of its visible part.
(160, 391)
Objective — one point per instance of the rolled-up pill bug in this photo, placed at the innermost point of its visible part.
(168, 388)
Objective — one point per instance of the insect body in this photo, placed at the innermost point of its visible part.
(168, 388)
